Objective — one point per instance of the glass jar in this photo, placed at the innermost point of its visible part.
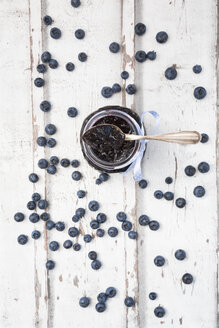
(129, 122)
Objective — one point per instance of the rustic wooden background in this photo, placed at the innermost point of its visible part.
(32, 297)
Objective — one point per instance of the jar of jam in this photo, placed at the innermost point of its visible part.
(112, 160)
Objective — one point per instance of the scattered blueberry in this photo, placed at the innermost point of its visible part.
(42, 163)
(93, 206)
(124, 75)
(33, 177)
(53, 63)
(47, 20)
(203, 167)
(43, 204)
(44, 216)
(53, 246)
(152, 296)
(67, 244)
(142, 184)
(65, 162)
(200, 93)
(102, 297)
(104, 176)
(92, 255)
(131, 89)
(84, 302)
(51, 169)
(73, 232)
(121, 216)
(70, 67)
(55, 33)
(204, 138)
(169, 180)
(187, 278)
(80, 212)
(159, 261)
(19, 217)
(76, 247)
(41, 68)
(75, 3)
(72, 112)
(87, 238)
(31, 205)
(180, 202)
(112, 231)
(81, 193)
(101, 217)
(151, 55)
(45, 106)
(116, 87)
(107, 92)
(50, 225)
(126, 225)
(197, 69)
(161, 37)
(170, 73)
(39, 82)
(34, 218)
(36, 197)
(46, 56)
(159, 312)
(35, 234)
(154, 225)
(75, 163)
(190, 170)
(199, 191)
(79, 34)
(111, 292)
(100, 232)
(133, 234)
(82, 56)
(98, 181)
(96, 264)
(114, 47)
(144, 220)
(76, 175)
(100, 307)
(22, 239)
(50, 129)
(41, 141)
(60, 226)
(140, 29)
(94, 224)
(50, 265)
(168, 195)
(140, 56)
(180, 254)
(129, 301)
(76, 218)
(51, 142)
(158, 194)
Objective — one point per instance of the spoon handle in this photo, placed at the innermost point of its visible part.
(182, 137)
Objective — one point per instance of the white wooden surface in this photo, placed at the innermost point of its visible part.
(30, 297)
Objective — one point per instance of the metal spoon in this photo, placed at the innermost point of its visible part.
(109, 134)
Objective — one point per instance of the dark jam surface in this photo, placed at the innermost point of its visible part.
(112, 153)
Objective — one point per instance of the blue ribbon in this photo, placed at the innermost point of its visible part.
(136, 164)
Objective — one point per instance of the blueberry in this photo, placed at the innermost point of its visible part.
(41, 68)
(72, 112)
(60, 226)
(54, 160)
(142, 184)
(180, 202)
(53, 63)
(126, 226)
(112, 231)
(121, 216)
(168, 195)
(51, 169)
(104, 176)
(190, 170)
(76, 247)
(35, 234)
(161, 37)
(79, 34)
(159, 312)
(131, 89)
(107, 92)
(82, 56)
(199, 191)
(41, 141)
(204, 138)
(170, 73)
(53, 246)
(114, 47)
(19, 217)
(102, 297)
(129, 301)
(84, 302)
(159, 261)
(76, 175)
(42, 163)
(22, 239)
(39, 82)
(51, 142)
(180, 254)
(111, 292)
(100, 307)
(144, 220)
(67, 244)
(93, 206)
(45, 106)
(96, 265)
(43, 204)
(36, 197)
(158, 194)
(140, 56)
(203, 167)
(65, 162)
(34, 218)
(80, 212)
(197, 69)
(187, 278)
(140, 29)
(50, 129)
(81, 193)
(199, 93)
(116, 87)
(154, 225)
(87, 238)
(101, 217)
(55, 33)
(50, 225)
(94, 224)
(31, 205)
(73, 232)
(151, 55)
(75, 163)
(152, 296)
(98, 181)
(124, 75)
(47, 20)
(70, 67)
(100, 232)
(92, 255)
(75, 3)
(44, 216)
(133, 234)
(169, 180)
(50, 265)
(33, 177)
(46, 56)
(75, 218)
